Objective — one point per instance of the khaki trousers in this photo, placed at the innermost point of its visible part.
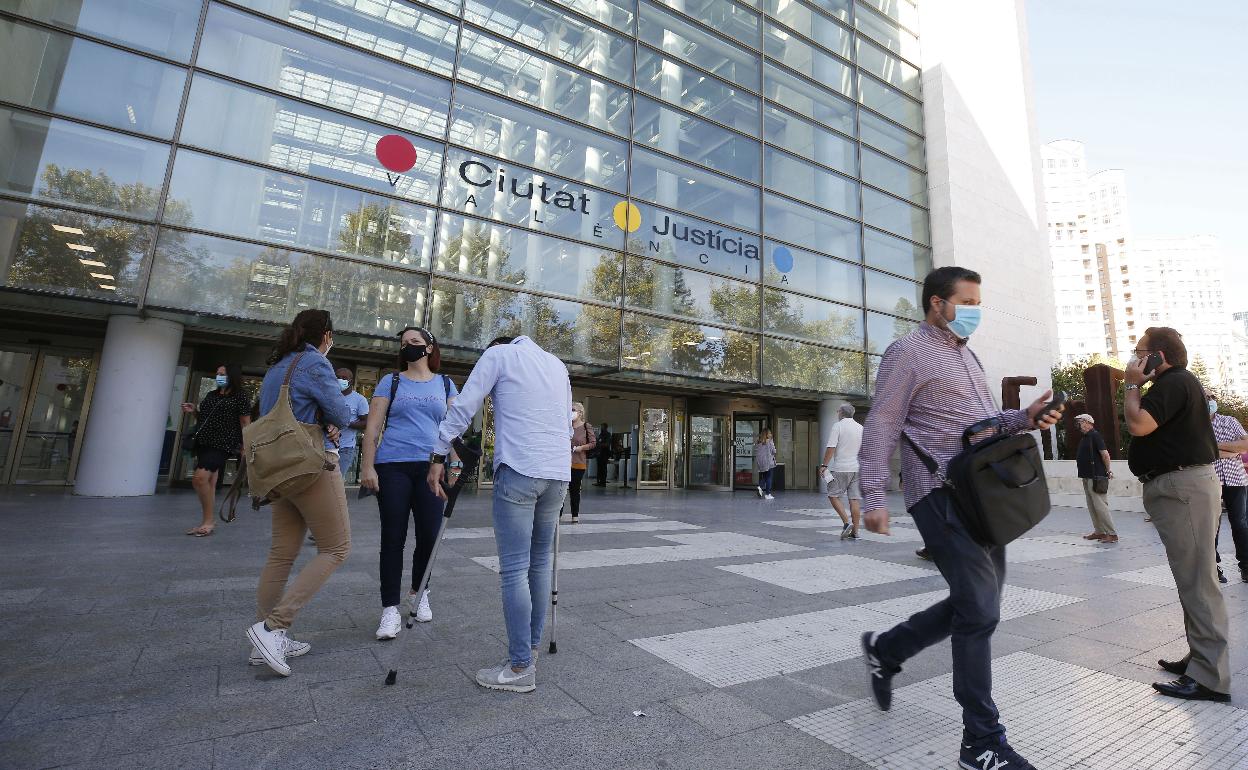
(321, 508)
(1098, 506)
(1186, 508)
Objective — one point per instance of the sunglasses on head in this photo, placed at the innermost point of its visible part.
(427, 334)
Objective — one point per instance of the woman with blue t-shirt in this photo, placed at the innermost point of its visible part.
(396, 468)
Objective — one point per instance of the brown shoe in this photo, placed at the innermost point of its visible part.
(1093, 536)
(1109, 539)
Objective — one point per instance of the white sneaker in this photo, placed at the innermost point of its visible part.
(420, 609)
(760, 491)
(769, 497)
(271, 645)
(293, 650)
(391, 622)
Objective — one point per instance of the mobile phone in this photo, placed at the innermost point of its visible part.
(1152, 362)
(1059, 399)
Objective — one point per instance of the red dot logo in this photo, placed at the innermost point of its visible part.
(396, 153)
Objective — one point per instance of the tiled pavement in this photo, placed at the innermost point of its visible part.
(729, 622)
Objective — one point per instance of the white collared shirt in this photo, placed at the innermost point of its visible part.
(532, 409)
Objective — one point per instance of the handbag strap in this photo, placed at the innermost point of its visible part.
(928, 461)
(230, 502)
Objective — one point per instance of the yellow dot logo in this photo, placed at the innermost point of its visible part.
(627, 216)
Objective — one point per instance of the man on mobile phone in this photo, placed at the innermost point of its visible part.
(932, 386)
(1172, 452)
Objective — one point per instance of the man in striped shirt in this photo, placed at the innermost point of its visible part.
(931, 386)
(1232, 439)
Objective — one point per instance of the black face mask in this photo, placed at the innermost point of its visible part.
(412, 353)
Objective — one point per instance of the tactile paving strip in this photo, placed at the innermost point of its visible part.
(589, 528)
(821, 574)
(1058, 715)
(693, 546)
(1028, 549)
(745, 652)
(1162, 577)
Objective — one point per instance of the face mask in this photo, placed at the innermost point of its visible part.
(223, 380)
(965, 320)
(343, 384)
(1213, 406)
(412, 353)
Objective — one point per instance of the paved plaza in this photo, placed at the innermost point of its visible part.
(695, 630)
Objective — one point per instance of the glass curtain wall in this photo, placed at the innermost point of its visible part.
(722, 190)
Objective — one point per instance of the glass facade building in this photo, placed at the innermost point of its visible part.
(719, 195)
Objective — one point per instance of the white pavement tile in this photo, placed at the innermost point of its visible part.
(827, 573)
(1059, 715)
(1162, 577)
(581, 528)
(1029, 549)
(811, 523)
(693, 546)
(615, 516)
(896, 535)
(824, 513)
(745, 652)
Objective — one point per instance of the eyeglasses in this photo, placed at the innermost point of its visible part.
(1142, 353)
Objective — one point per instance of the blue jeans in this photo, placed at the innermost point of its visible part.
(526, 512)
(764, 481)
(346, 458)
(1236, 501)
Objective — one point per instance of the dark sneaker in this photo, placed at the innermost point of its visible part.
(881, 675)
(992, 756)
(847, 531)
(923, 554)
(1221, 575)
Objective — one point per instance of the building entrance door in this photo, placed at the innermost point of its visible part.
(745, 432)
(44, 396)
(709, 452)
(202, 384)
(655, 455)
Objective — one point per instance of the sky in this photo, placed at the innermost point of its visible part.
(1158, 89)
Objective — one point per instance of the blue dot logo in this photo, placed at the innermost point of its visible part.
(782, 258)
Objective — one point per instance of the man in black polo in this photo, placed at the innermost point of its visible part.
(1092, 461)
(1172, 452)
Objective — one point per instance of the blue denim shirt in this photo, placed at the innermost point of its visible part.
(313, 385)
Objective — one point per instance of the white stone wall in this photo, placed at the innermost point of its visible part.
(984, 177)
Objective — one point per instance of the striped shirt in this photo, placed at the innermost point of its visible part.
(1230, 471)
(929, 385)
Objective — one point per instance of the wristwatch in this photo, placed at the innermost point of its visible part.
(1131, 386)
(456, 465)
(437, 459)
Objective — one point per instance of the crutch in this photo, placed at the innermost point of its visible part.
(554, 591)
(470, 457)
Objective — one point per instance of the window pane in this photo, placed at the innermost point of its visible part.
(529, 199)
(81, 79)
(894, 295)
(723, 16)
(613, 13)
(56, 160)
(222, 277)
(257, 126)
(675, 347)
(888, 213)
(807, 367)
(687, 241)
(686, 87)
(672, 290)
(873, 369)
(491, 63)
(797, 270)
(890, 103)
(67, 252)
(273, 206)
(900, 180)
(163, 27)
(808, 99)
(406, 33)
(505, 129)
(903, 12)
(888, 68)
(685, 42)
(812, 319)
(897, 256)
(525, 259)
(805, 19)
(812, 62)
(886, 33)
(470, 316)
(811, 228)
(794, 176)
(304, 66)
(688, 188)
(883, 329)
(559, 34)
(894, 140)
(810, 140)
(698, 141)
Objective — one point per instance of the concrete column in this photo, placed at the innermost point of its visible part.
(828, 418)
(126, 427)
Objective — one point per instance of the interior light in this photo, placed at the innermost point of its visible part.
(80, 247)
(645, 352)
(102, 276)
(693, 343)
(108, 287)
(65, 229)
(630, 358)
(92, 262)
(130, 114)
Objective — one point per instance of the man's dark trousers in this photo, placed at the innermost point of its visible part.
(1236, 501)
(970, 613)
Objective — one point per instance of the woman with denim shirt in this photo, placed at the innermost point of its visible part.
(322, 508)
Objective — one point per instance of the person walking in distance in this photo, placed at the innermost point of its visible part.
(765, 462)
(932, 387)
(532, 399)
(221, 415)
(397, 469)
(1092, 460)
(583, 442)
(1172, 453)
(357, 405)
(603, 454)
(1232, 439)
(840, 459)
(300, 360)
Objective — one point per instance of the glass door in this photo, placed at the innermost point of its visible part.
(17, 367)
(708, 451)
(654, 458)
(204, 383)
(46, 438)
(678, 443)
(746, 430)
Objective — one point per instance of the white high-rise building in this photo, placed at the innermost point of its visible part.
(1076, 285)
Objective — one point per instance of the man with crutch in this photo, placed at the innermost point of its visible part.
(532, 399)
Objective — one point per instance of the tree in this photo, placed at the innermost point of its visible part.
(370, 232)
(1070, 379)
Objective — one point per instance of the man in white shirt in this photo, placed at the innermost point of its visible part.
(840, 460)
(532, 399)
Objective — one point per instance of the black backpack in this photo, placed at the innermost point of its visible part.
(998, 482)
